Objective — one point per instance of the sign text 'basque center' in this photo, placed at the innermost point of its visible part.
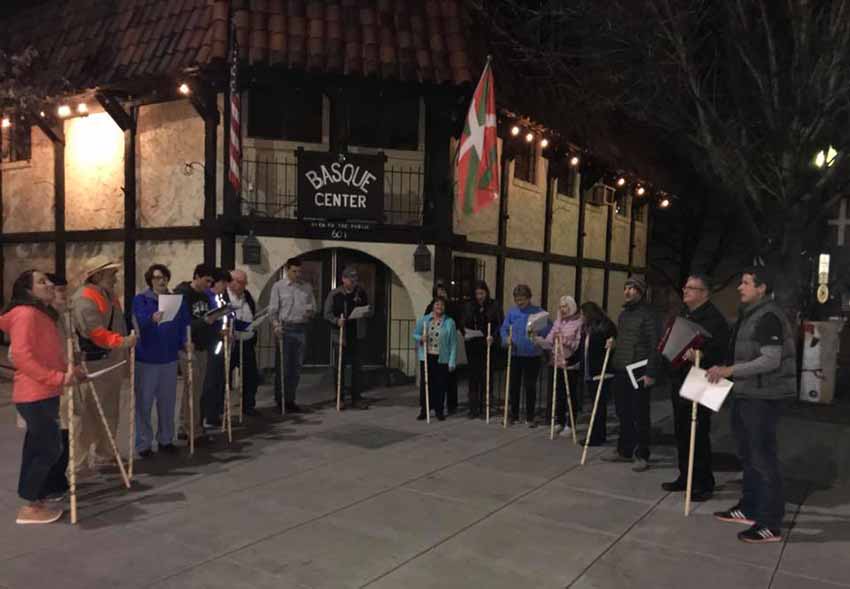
(340, 186)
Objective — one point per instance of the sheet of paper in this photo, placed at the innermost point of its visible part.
(106, 370)
(537, 321)
(169, 305)
(697, 388)
(472, 334)
(258, 320)
(636, 367)
(220, 312)
(360, 312)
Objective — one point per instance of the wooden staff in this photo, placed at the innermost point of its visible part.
(570, 403)
(487, 375)
(595, 404)
(339, 367)
(554, 386)
(189, 379)
(241, 382)
(427, 387)
(100, 412)
(282, 379)
(227, 398)
(508, 375)
(69, 390)
(692, 447)
(132, 428)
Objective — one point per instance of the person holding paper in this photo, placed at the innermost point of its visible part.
(339, 304)
(104, 341)
(156, 362)
(762, 362)
(436, 343)
(525, 355)
(480, 313)
(639, 330)
(239, 297)
(699, 309)
(598, 333)
(292, 305)
(454, 311)
(567, 331)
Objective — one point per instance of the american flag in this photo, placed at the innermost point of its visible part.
(235, 119)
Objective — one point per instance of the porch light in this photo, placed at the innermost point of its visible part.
(184, 89)
(421, 259)
(574, 161)
(664, 203)
(64, 111)
(825, 158)
(252, 250)
(544, 143)
(6, 123)
(82, 109)
(641, 191)
(529, 137)
(514, 130)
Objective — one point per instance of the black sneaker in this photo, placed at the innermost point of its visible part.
(734, 515)
(701, 495)
(421, 416)
(532, 423)
(168, 448)
(183, 436)
(617, 457)
(674, 487)
(760, 535)
(146, 453)
(252, 412)
(293, 408)
(441, 417)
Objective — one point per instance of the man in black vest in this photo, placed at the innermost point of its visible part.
(763, 364)
(240, 298)
(700, 310)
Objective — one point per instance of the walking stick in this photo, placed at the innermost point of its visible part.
(227, 398)
(570, 403)
(508, 375)
(692, 447)
(241, 382)
(191, 387)
(487, 376)
(69, 390)
(554, 386)
(100, 412)
(282, 379)
(595, 405)
(339, 368)
(132, 446)
(427, 389)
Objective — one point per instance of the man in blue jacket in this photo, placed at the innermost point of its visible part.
(156, 362)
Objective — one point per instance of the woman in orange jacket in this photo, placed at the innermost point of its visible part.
(41, 371)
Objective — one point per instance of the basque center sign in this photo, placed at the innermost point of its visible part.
(340, 186)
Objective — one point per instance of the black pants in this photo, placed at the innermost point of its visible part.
(212, 397)
(754, 424)
(249, 395)
(451, 391)
(561, 396)
(476, 354)
(438, 379)
(524, 371)
(703, 476)
(352, 356)
(294, 347)
(42, 469)
(633, 413)
(600, 421)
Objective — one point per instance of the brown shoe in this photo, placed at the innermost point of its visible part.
(37, 513)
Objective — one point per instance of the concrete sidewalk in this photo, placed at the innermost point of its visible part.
(377, 499)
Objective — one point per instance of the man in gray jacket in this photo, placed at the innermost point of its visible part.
(763, 366)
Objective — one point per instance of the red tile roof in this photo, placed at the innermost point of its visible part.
(97, 42)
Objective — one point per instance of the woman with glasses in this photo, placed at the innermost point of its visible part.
(160, 341)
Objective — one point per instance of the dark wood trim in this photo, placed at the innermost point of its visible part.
(210, 163)
(295, 229)
(60, 239)
(230, 199)
(609, 238)
(185, 233)
(499, 251)
(115, 109)
(580, 261)
(127, 121)
(547, 234)
(631, 235)
(439, 201)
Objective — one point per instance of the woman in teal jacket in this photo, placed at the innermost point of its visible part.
(436, 339)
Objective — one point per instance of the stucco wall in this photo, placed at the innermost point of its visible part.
(28, 189)
(181, 257)
(94, 173)
(620, 240)
(640, 244)
(170, 135)
(562, 281)
(564, 225)
(592, 285)
(616, 281)
(595, 222)
(522, 272)
(527, 209)
(25, 256)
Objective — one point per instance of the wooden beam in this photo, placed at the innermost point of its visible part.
(609, 237)
(130, 135)
(210, 162)
(125, 120)
(60, 248)
(183, 233)
(547, 232)
(503, 225)
(582, 219)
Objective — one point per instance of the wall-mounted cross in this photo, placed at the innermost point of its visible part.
(842, 222)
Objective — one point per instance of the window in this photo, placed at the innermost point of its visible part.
(384, 119)
(622, 204)
(639, 211)
(290, 114)
(567, 176)
(600, 194)
(15, 143)
(525, 163)
(464, 274)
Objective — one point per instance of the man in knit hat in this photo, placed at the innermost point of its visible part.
(638, 329)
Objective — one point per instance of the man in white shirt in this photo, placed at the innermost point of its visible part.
(291, 307)
(240, 298)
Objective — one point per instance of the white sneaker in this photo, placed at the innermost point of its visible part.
(558, 429)
(566, 431)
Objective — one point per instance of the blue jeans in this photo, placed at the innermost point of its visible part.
(42, 470)
(294, 346)
(754, 424)
(155, 382)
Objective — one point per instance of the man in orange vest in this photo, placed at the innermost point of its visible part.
(102, 331)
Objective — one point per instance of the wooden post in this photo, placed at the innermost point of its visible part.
(189, 379)
(508, 375)
(132, 448)
(691, 447)
(69, 390)
(339, 367)
(570, 404)
(595, 404)
(487, 374)
(554, 386)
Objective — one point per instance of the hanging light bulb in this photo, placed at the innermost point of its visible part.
(6, 123)
(621, 181)
(574, 161)
(529, 137)
(664, 203)
(184, 89)
(64, 111)
(514, 130)
(641, 191)
(544, 143)
(82, 109)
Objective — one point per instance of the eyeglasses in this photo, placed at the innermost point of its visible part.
(159, 277)
(692, 288)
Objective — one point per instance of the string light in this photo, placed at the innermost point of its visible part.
(530, 137)
(641, 191)
(664, 203)
(6, 123)
(184, 89)
(64, 111)
(574, 161)
(544, 143)
(514, 130)
(621, 181)
(41, 114)
(82, 109)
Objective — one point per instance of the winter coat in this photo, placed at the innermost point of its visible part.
(38, 352)
(568, 332)
(518, 320)
(448, 339)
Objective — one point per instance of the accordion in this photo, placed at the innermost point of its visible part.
(681, 335)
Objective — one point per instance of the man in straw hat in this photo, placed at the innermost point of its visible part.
(102, 333)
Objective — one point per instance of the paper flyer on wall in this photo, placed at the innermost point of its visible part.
(169, 306)
(637, 371)
(537, 322)
(106, 370)
(697, 388)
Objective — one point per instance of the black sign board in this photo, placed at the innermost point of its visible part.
(340, 186)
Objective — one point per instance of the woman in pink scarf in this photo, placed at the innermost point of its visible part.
(567, 332)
